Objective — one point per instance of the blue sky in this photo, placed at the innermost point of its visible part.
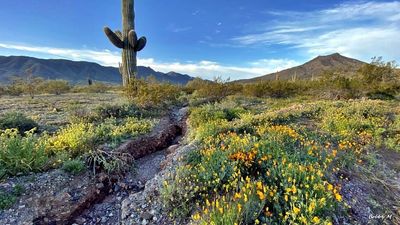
(206, 38)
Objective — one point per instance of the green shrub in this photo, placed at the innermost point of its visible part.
(79, 114)
(55, 87)
(8, 199)
(151, 94)
(74, 166)
(348, 119)
(75, 138)
(20, 154)
(17, 120)
(116, 111)
(80, 138)
(382, 95)
(274, 89)
(209, 91)
(16, 87)
(2, 91)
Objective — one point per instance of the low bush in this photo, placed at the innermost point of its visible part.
(349, 119)
(209, 91)
(79, 114)
(7, 199)
(55, 87)
(20, 154)
(75, 138)
(2, 91)
(149, 94)
(75, 166)
(18, 121)
(79, 138)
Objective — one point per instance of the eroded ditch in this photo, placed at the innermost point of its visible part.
(58, 198)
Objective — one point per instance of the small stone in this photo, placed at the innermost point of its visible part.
(144, 222)
(147, 216)
(110, 215)
(154, 218)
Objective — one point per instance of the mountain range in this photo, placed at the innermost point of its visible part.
(313, 69)
(76, 72)
(80, 72)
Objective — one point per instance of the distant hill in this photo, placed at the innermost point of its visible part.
(313, 68)
(76, 72)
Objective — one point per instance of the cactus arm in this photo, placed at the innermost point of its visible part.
(141, 43)
(119, 34)
(113, 38)
(132, 38)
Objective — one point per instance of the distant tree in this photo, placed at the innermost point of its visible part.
(378, 71)
(31, 83)
(212, 90)
(151, 79)
(2, 91)
(15, 87)
(56, 87)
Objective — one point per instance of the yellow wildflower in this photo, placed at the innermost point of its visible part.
(261, 195)
(296, 210)
(316, 219)
(239, 206)
(196, 216)
(338, 197)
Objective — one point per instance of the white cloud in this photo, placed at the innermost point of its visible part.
(205, 68)
(362, 30)
(361, 43)
(209, 70)
(104, 57)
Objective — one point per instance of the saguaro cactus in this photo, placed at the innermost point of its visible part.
(127, 40)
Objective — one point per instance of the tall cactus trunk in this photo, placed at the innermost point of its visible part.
(129, 63)
(128, 42)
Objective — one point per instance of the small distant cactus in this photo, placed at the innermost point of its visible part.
(127, 40)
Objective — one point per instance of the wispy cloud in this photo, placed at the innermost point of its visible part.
(177, 29)
(195, 13)
(209, 69)
(357, 29)
(103, 57)
(205, 68)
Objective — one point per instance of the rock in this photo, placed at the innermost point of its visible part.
(146, 216)
(171, 149)
(144, 222)
(99, 185)
(80, 220)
